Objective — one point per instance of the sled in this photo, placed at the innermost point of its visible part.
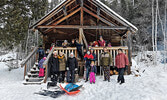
(72, 92)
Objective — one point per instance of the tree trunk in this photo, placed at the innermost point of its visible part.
(153, 30)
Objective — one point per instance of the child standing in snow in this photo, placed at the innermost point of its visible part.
(41, 69)
(88, 58)
(92, 72)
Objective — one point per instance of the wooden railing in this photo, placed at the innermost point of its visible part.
(66, 51)
(29, 62)
(45, 64)
(113, 51)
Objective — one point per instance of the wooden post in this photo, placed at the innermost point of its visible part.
(76, 53)
(83, 37)
(37, 32)
(46, 73)
(81, 19)
(121, 41)
(25, 69)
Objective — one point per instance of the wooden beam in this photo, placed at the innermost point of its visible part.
(53, 13)
(90, 33)
(98, 17)
(98, 14)
(70, 3)
(102, 17)
(69, 15)
(83, 36)
(84, 27)
(62, 14)
(65, 13)
(81, 15)
(61, 20)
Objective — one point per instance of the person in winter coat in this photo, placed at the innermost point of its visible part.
(72, 66)
(121, 63)
(79, 49)
(73, 43)
(102, 43)
(41, 68)
(93, 70)
(40, 64)
(41, 53)
(65, 44)
(105, 62)
(62, 66)
(88, 58)
(54, 67)
(94, 55)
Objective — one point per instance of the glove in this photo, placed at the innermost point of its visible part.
(76, 69)
(67, 68)
(126, 67)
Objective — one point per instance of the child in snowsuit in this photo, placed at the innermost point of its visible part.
(92, 72)
(40, 66)
(88, 58)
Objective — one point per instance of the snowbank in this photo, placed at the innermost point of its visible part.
(8, 56)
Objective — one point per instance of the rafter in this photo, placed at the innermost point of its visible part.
(62, 19)
(98, 17)
(84, 27)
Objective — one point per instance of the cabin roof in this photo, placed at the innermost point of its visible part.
(98, 3)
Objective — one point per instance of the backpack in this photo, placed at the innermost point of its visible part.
(41, 52)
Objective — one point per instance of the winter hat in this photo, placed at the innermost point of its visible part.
(88, 52)
(55, 52)
(44, 58)
(72, 54)
(65, 41)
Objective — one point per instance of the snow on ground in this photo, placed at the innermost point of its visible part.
(7, 57)
(151, 85)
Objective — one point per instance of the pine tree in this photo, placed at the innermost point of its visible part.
(15, 16)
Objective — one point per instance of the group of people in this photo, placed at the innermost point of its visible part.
(100, 43)
(59, 65)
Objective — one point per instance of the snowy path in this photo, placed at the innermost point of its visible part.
(152, 85)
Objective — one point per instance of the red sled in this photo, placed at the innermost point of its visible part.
(70, 93)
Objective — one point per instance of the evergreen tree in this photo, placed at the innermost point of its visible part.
(15, 16)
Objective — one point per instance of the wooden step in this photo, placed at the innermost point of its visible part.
(32, 75)
(32, 79)
(34, 70)
(36, 63)
(32, 83)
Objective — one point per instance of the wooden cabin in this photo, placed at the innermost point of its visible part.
(85, 20)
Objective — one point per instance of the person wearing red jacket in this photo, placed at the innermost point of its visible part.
(121, 63)
(88, 58)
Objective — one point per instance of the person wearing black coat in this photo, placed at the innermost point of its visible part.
(54, 67)
(75, 43)
(79, 49)
(72, 66)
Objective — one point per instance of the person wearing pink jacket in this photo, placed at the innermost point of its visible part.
(121, 63)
